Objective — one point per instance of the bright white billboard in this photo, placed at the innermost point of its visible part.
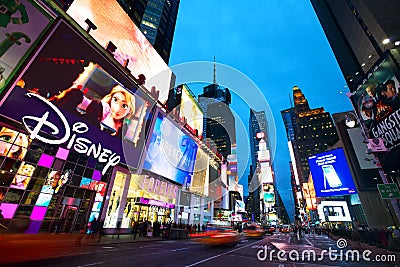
(114, 25)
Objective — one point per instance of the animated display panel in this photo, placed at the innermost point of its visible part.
(331, 174)
(21, 25)
(79, 96)
(170, 153)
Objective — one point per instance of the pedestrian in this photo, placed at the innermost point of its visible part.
(117, 230)
(135, 229)
(82, 232)
(94, 226)
(100, 230)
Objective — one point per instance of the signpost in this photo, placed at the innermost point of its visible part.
(389, 191)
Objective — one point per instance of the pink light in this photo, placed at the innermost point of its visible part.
(8, 210)
(62, 153)
(38, 213)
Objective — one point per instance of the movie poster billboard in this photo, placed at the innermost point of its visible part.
(377, 101)
(171, 153)
(22, 23)
(73, 97)
(331, 174)
(113, 24)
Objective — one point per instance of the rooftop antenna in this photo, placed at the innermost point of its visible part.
(215, 72)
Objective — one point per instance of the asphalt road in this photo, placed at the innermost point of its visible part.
(190, 253)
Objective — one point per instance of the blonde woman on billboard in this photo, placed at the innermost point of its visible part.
(13, 144)
(23, 176)
(118, 105)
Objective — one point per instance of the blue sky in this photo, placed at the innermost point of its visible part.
(275, 44)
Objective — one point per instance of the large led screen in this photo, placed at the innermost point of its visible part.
(200, 180)
(73, 93)
(191, 111)
(331, 174)
(378, 103)
(170, 153)
(21, 25)
(114, 25)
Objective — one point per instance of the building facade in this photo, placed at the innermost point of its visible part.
(156, 19)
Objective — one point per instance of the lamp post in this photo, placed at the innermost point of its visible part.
(351, 123)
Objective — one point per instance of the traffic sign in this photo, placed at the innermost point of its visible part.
(389, 191)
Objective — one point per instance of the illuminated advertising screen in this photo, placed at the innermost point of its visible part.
(170, 153)
(191, 111)
(21, 25)
(240, 206)
(200, 180)
(114, 25)
(331, 174)
(334, 211)
(86, 103)
(269, 194)
(378, 102)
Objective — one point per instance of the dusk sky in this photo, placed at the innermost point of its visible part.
(276, 45)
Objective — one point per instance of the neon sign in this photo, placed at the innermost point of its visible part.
(80, 144)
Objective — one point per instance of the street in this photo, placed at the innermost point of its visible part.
(188, 252)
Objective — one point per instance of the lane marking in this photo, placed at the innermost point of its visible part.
(308, 241)
(179, 249)
(91, 264)
(222, 254)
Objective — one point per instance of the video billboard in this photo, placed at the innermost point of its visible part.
(73, 97)
(170, 152)
(22, 23)
(200, 180)
(334, 211)
(378, 103)
(113, 24)
(190, 109)
(331, 174)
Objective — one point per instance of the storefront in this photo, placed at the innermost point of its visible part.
(138, 198)
(40, 184)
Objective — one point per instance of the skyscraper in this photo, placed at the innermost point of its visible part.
(314, 132)
(359, 32)
(219, 122)
(156, 19)
(257, 124)
(365, 38)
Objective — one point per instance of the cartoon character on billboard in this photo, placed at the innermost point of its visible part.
(13, 144)
(118, 105)
(8, 10)
(55, 181)
(23, 176)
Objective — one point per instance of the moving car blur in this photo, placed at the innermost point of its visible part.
(217, 235)
(269, 229)
(254, 231)
(285, 228)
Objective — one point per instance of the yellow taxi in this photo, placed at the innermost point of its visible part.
(216, 235)
(254, 231)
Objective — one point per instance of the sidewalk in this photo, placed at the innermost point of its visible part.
(28, 247)
(64, 239)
